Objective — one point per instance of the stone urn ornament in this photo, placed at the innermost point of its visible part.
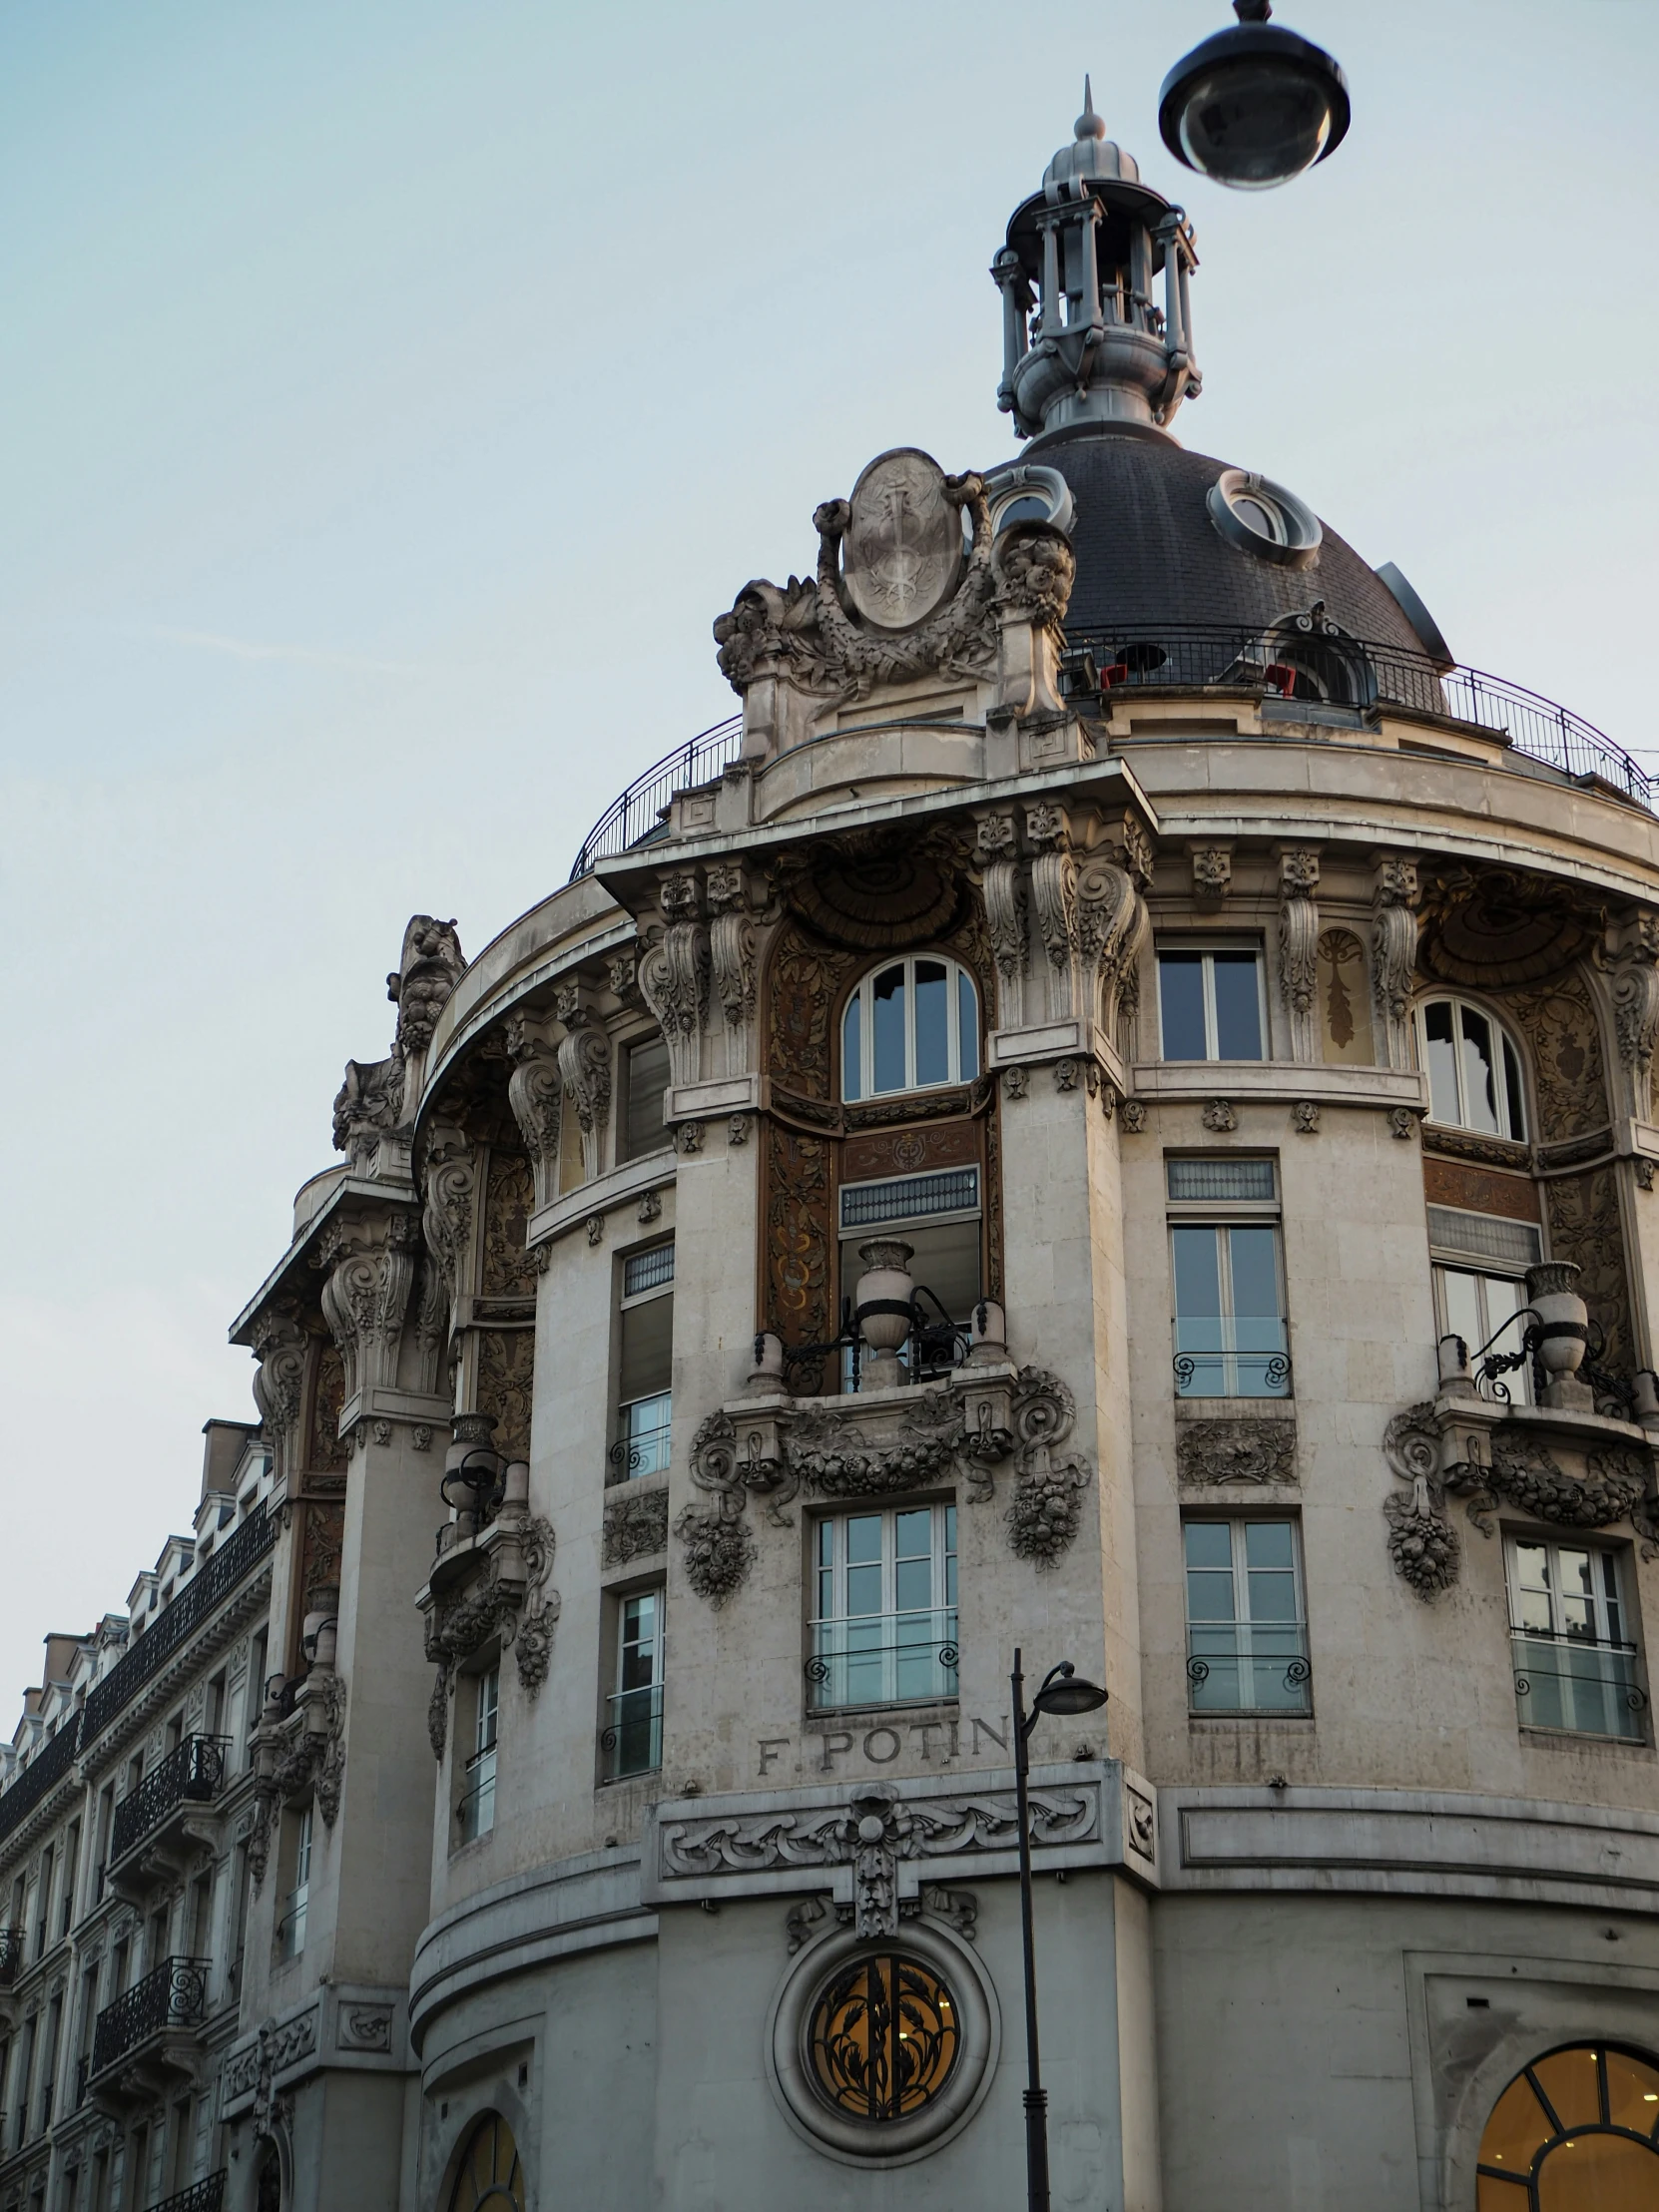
(882, 1310)
(1563, 1330)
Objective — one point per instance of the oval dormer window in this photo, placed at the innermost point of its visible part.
(1264, 518)
(910, 1025)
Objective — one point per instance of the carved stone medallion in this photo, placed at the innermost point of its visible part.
(903, 553)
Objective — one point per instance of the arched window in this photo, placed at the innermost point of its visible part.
(1577, 2131)
(909, 1026)
(490, 2179)
(1475, 1069)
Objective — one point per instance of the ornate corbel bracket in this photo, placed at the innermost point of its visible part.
(585, 1069)
(507, 1595)
(674, 974)
(1298, 931)
(535, 1092)
(1633, 984)
(370, 1259)
(1394, 953)
(734, 899)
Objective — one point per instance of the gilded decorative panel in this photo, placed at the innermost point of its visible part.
(509, 1270)
(506, 1374)
(1345, 1000)
(1560, 1027)
(1585, 1225)
(327, 1454)
(323, 1539)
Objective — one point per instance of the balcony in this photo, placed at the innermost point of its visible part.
(159, 1810)
(11, 1956)
(1248, 1667)
(205, 2195)
(882, 1659)
(1578, 1683)
(633, 1742)
(155, 2020)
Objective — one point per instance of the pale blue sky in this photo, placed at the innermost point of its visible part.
(391, 394)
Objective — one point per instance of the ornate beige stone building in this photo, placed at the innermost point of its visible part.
(1109, 1112)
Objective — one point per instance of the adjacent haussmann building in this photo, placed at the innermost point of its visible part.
(1109, 1112)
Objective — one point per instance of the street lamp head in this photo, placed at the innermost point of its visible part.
(1254, 106)
(1066, 1691)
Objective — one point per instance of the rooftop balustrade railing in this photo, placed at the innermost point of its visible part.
(173, 1996)
(48, 1766)
(193, 1771)
(1302, 669)
(211, 1583)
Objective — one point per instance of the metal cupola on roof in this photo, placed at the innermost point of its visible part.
(1083, 337)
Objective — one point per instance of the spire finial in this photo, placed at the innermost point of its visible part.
(1089, 125)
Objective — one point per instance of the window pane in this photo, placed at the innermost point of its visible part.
(1255, 1274)
(932, 1023)
(1460, 1306)
(1209, 1544)
(1238, 1007)
(852, 1050)
(887, 993)
(1442, 1062)
(1532, 1587)
(1181, 1006)
(647, 1081)
(1513, 1091)
(967, 1015)
(1197, 1274)
(1479, 1077)
(646, 1362)
(1268, 1545)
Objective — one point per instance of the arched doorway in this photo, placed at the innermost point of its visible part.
(489, 2178)
(1577, 2131)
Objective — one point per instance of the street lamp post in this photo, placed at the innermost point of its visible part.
(1063, 1690)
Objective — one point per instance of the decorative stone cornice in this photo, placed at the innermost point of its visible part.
(885, 1443)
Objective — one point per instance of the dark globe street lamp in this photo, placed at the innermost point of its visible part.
(1063, 1691)
(1254, 106)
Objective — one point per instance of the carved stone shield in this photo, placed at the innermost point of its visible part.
(903, 553)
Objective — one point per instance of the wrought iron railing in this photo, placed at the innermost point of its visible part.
(1248, 1667)
(48, 1766)
(11, 1956)
(882, 1659)
(1313, 665)
(1583, 1684)
(1283, 661)
(633, 1743)
(637, 816)
(205, 2195)
(202, 1595)
(1215, 1358)
(173, 1995)
(193, 1771)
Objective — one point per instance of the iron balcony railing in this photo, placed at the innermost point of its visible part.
(48, 1767)
(11, 1956)
(1301, 668)
(638, 816)
(205, 1592)
(1248, 1667)
(1316, 667)
(633, 1743)
(193, 1771)
(205, 2195)
(173, 1996)
(882, 1659)
(1578, 1683)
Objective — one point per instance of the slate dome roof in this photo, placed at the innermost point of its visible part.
(1148, 551)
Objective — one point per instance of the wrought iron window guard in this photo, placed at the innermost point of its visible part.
(11, 1956)
(933, 1344)
(833, 1669)
(1274, 1376)
(646, 1452)
(1252, 1657)
(1606, 1676)
(193, 1771)
(633, 1742)
(471, 1803)
(173, 1996)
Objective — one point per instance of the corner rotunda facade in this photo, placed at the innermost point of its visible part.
(1109, 1112)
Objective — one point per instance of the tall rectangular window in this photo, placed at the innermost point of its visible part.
(645, 1081)
(633, 1737)
(291, 1927)
(940, 1216)
(1230, 1335)
(646, 1364)
(1247, 1637)
(1574, 1667)
(1480, 1263)
(883, 1625)
(477, 1807)
(1210, 1006)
